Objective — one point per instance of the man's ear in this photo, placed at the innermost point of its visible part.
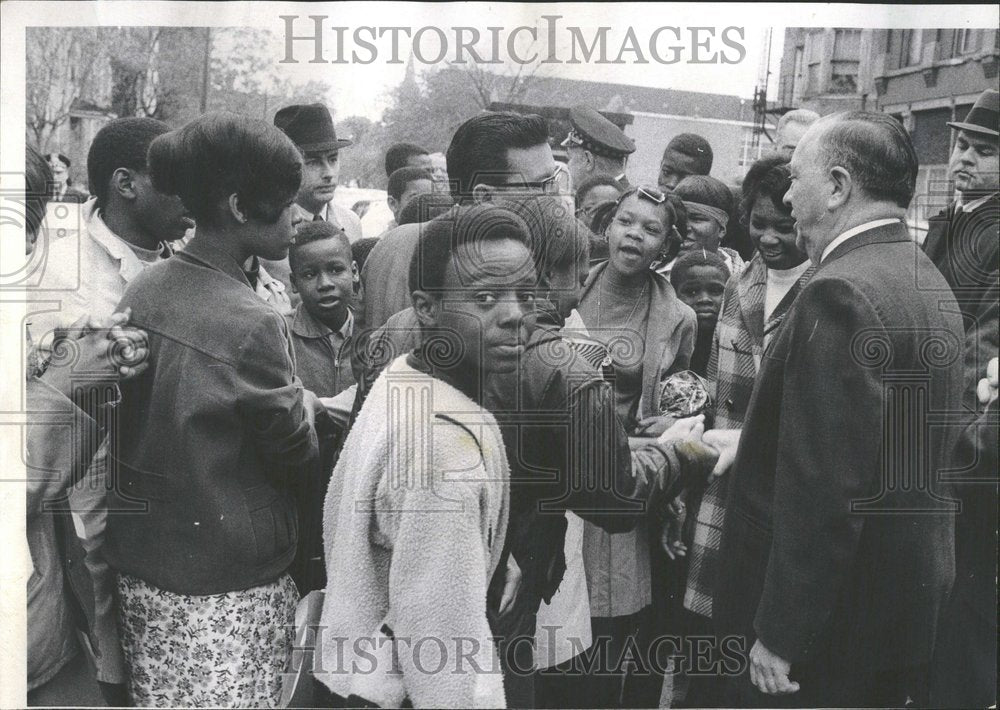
(393, 204)
(235, 209)
(123, 183)
(591, 160)
(842, 186)
(427, 308)
(482, 192)
(355, 272)
(293, 281)
(722, 233)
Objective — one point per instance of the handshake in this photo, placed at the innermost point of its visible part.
(95, 350)
(701, 453)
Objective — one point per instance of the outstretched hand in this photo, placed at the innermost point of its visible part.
(987, 388)
(683, 429)
(697, 458)
(726, 442)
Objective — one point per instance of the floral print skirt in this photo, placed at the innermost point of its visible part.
(220, 650)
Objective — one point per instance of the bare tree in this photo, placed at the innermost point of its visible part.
(63, 66)
(507, 86)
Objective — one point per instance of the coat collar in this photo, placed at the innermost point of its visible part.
(886, 234)
(205, 252)
(751, 288)
(305, 326)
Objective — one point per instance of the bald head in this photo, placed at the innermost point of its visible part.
(849, 169)
(874, 149)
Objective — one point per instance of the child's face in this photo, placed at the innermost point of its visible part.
(323, 275)
(595, 196)
(703, 233)
(489, 288)
(702, 289)
(636, 235)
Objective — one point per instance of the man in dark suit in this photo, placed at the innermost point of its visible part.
(838, 548)
(963, 241)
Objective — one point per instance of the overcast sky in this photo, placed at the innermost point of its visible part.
(360, 89)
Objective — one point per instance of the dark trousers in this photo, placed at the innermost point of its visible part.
(704, 690)
(964, 672)
(897, 688)
(561, 686)
(601, 672)
(75, 685)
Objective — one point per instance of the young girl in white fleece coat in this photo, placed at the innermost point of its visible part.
(416, 513)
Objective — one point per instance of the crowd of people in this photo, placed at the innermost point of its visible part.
(560, 436)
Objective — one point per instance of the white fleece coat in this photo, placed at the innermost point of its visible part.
(414, 524)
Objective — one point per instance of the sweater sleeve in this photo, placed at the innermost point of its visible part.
(61, 439)
(438, 580)
(270, 397)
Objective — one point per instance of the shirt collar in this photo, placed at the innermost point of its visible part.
(304, 325)
(853, 232)
(974, 205)
(129, 265)
(253, 273)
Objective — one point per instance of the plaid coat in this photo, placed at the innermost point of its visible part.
(740, 337)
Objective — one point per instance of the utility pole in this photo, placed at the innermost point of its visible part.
(206, 68)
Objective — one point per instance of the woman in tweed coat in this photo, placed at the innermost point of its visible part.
(754, 305)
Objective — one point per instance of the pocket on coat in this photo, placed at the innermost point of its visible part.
(272, 520)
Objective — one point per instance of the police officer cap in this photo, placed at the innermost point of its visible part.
(593, 132)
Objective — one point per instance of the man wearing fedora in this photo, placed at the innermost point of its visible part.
(963, 241)
(311, 128)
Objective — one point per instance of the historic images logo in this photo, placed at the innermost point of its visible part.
(320, 43)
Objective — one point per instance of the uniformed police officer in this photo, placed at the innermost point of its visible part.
(596, 146)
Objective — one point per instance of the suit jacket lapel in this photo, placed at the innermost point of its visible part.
(937, 231)
(879, 235)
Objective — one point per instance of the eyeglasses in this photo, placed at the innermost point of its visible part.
(555, 184)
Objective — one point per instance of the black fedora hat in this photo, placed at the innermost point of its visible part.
(310, 127)
(984, 115)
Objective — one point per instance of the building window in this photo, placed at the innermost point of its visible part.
(814, 53)
(966, 42)
(846, 45)
(846, 61)
(797, 77)
(911, 48)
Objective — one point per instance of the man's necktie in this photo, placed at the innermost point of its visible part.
(318, 218)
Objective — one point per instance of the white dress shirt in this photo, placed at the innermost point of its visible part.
(974, 205)
(853, 232)
(343, 218)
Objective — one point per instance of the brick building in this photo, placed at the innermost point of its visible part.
(923, 77)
